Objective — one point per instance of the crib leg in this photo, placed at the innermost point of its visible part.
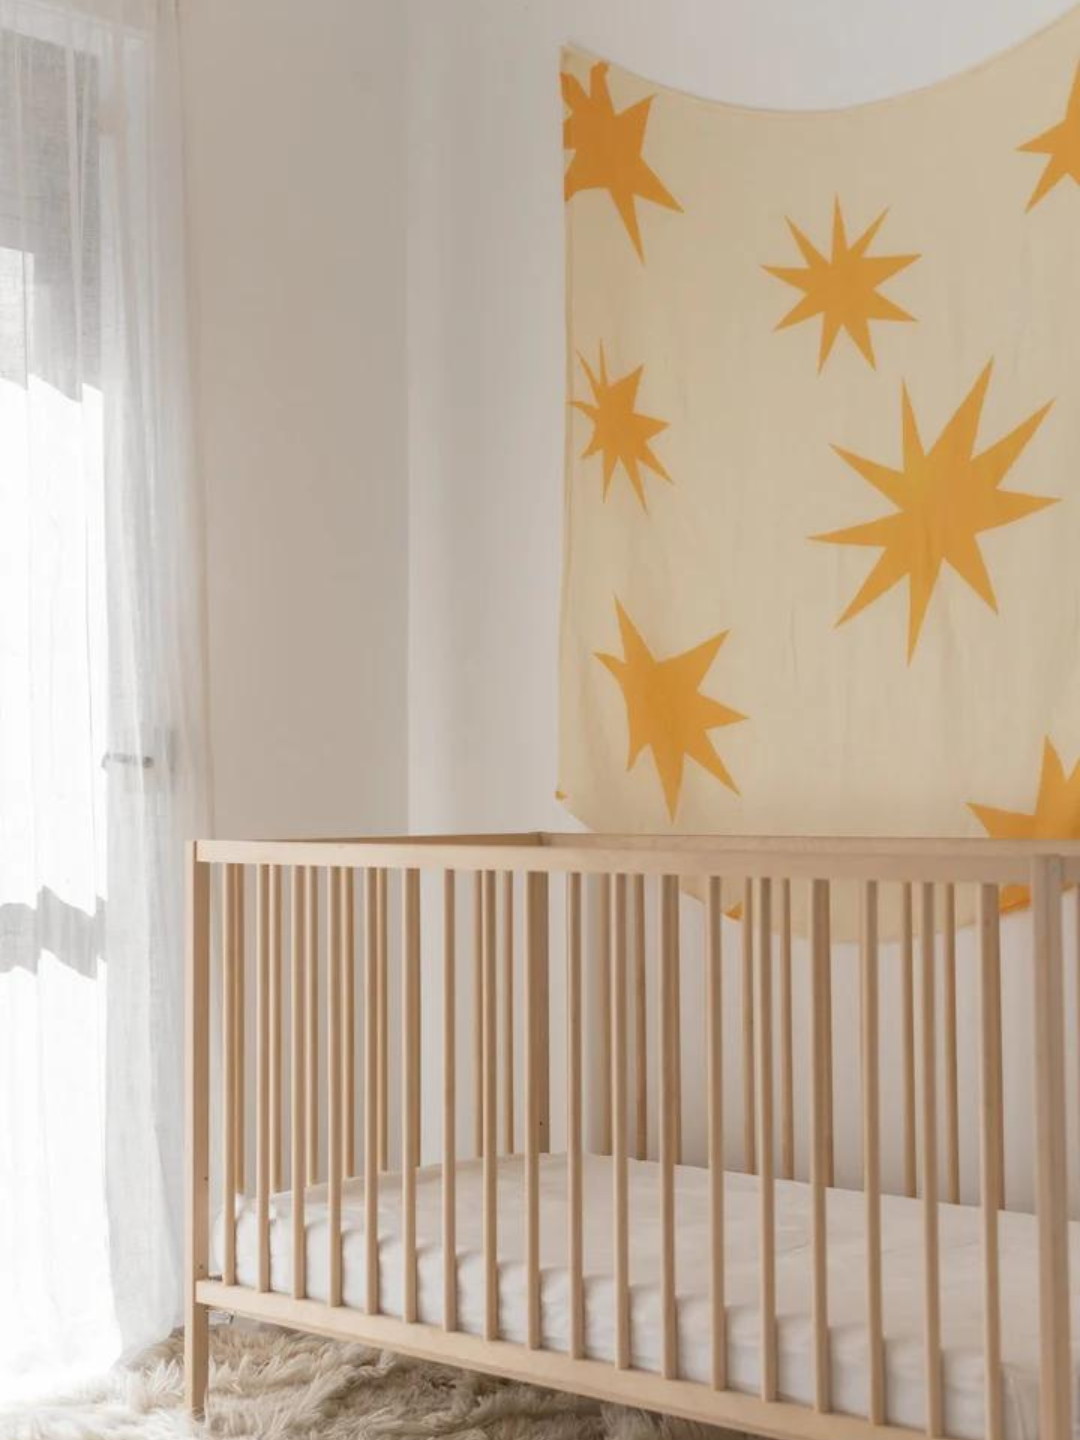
(196, 1358)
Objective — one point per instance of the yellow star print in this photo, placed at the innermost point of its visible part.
(620, 433)
(607, 149)
(1062, 144)
(666, 712)
(945, 497)
(1056, 816)
(842, 287)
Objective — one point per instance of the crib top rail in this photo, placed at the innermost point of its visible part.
(974, 860)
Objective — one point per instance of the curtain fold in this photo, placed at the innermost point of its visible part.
(102, 754)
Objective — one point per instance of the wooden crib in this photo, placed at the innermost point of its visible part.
(573, 1110)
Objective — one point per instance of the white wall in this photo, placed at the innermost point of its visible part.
(486, 358)
(295, 154)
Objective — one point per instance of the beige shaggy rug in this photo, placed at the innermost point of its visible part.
(273, 1385)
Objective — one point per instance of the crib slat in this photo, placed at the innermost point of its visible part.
(508, 1010)
(952, 1083)
(262, 1072)
(228, 1070)
(348, 1023)
(478, 1013)
(311, 1008)
(669, 913)
(931, 1274)
(277, 1034)
(371, 1092)
(872, 1148)
(766, 1161)
(1051, 1177)
(490, 1130)
(602, 1029)
(449, 1172)
(749, 1105)
(382, 927)
(819, 961)
(714, 1039)
(536, 905)
(297, 1155)
(990, 1160)
(997, 1069)
(641, 1034)
(410, 1076)
(240, 1031)
(334, 968)
(573, 1115)
(787, 1055)
(618, 1125)
(827, 1030)
(907, 1026)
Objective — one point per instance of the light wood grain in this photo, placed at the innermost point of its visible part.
(990, 1159)
(298, 1078)
(748, 1059)
(931, 1266)
(787, 1040)
(348, 1023)
(575, 1200)
(311, 1010)
(952, 1069)
(277, 1034)
(410, 1083)
(819, 1154)
(602, 1029)
(449, 1103)
(714, 1041)
(641, 1019)
(669, 920)
(619, 1148)
(382, 931)
(536, 914)
(766, 1157)
(372, 1299)
(197, 1131)
(228, 1072)
(508, 1010)
(907, 1033)
(490, 1128)
(334, 1149)
(871, 1137)
(262, 1073)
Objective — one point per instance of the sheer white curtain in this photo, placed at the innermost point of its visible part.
(101, 695)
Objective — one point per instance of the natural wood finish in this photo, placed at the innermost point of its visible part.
(348, 1023)
(334, 1156)
(907, 1031)
(990, 1159)
(766, 1157)
(372, 1300)
(641, 1020)
(311, 1009)
(410, 1084)
(619, 1149)
(602, 1028)
(228, 1071)
(382, 932)
(240, 1030)
(478, 1013)
(536, 916)
(952, 1069)
(669, 920)
(992, 977)
(490, 1129)
(819, 1155)
(871, 1137)
(197, 1132)
(639, 1389)
(298, 1076)
(748, 1060)
(277, 1035)
(676, 1029)
(573, 1116)
(714, 1080)
(931, 1269)
(449, 1104)
(262, 1073)
(1051, 1178)
(787, 1054)
(508, 1010)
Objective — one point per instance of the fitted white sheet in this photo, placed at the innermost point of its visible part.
(961, 1275)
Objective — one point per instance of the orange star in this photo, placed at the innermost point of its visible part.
(1056, 816)
(607, 149)
(842, 287)
(945, 498)
(620, 433)
(666, 712)
(1062, 144)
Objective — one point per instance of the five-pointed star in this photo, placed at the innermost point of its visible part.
(620, 433)
(842, 287)
(1062, 144)
(666, 712)
(945, 497)
(1056, 816)
(607, 149)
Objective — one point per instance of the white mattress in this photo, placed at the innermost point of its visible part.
(961, 1269)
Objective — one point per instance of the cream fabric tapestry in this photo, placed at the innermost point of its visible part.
(823, 463)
